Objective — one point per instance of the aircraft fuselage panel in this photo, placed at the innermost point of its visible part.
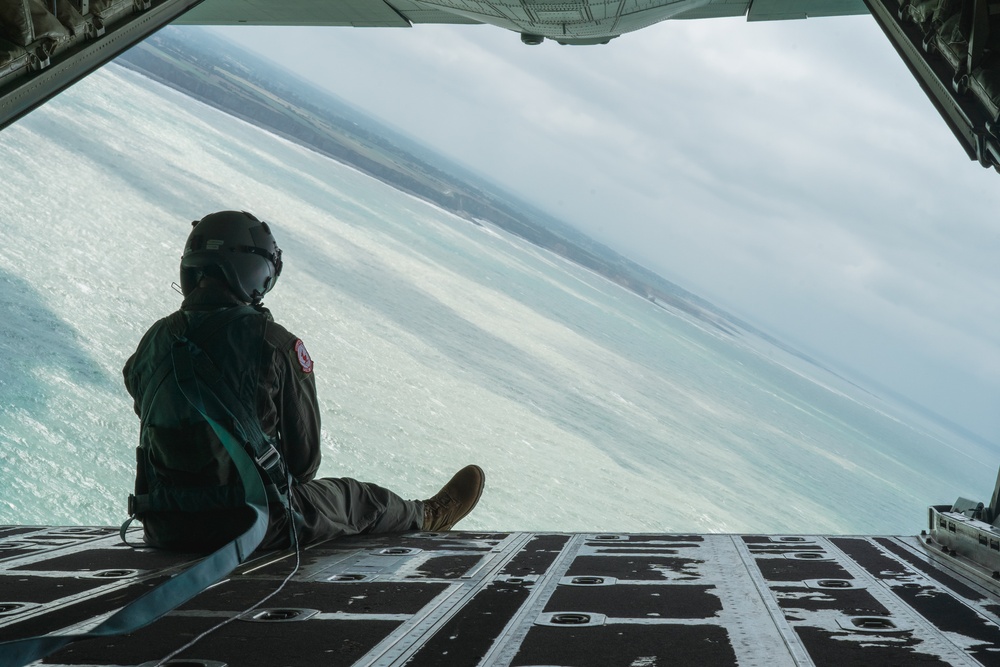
(42, 53)
(952, 47)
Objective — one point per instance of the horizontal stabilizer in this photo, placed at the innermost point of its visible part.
(356, 13)
(780, 10)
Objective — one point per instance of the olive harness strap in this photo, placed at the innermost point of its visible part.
(192, 377)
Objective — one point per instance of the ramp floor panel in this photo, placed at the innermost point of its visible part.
(518, 600)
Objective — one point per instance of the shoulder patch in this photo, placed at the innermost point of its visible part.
(305, 361)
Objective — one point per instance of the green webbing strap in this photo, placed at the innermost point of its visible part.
(223, 403)
(184, 586)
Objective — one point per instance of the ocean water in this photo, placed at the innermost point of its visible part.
(437, 342)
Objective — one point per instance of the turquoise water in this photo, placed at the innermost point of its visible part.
(438, 342)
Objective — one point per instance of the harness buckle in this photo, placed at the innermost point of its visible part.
(269, 459)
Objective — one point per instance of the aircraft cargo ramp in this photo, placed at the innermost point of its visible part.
(521, 599)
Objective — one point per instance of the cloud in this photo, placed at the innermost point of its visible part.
(792, 171)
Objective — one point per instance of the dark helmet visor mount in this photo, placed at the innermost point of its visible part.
(236, 245)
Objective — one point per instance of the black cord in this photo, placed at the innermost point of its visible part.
(298, 561)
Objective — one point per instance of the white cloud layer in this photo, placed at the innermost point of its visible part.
(792, 171)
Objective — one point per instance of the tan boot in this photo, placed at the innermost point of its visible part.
(455, 499)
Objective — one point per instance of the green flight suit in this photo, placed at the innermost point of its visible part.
(188, 493)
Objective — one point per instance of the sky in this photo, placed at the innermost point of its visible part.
(792, 172)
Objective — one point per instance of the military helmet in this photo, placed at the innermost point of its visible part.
(236, 247)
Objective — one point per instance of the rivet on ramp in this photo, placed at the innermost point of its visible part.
(185, 662)
(115, 574)
(279, 615)
(571, 618)
(398, 551)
